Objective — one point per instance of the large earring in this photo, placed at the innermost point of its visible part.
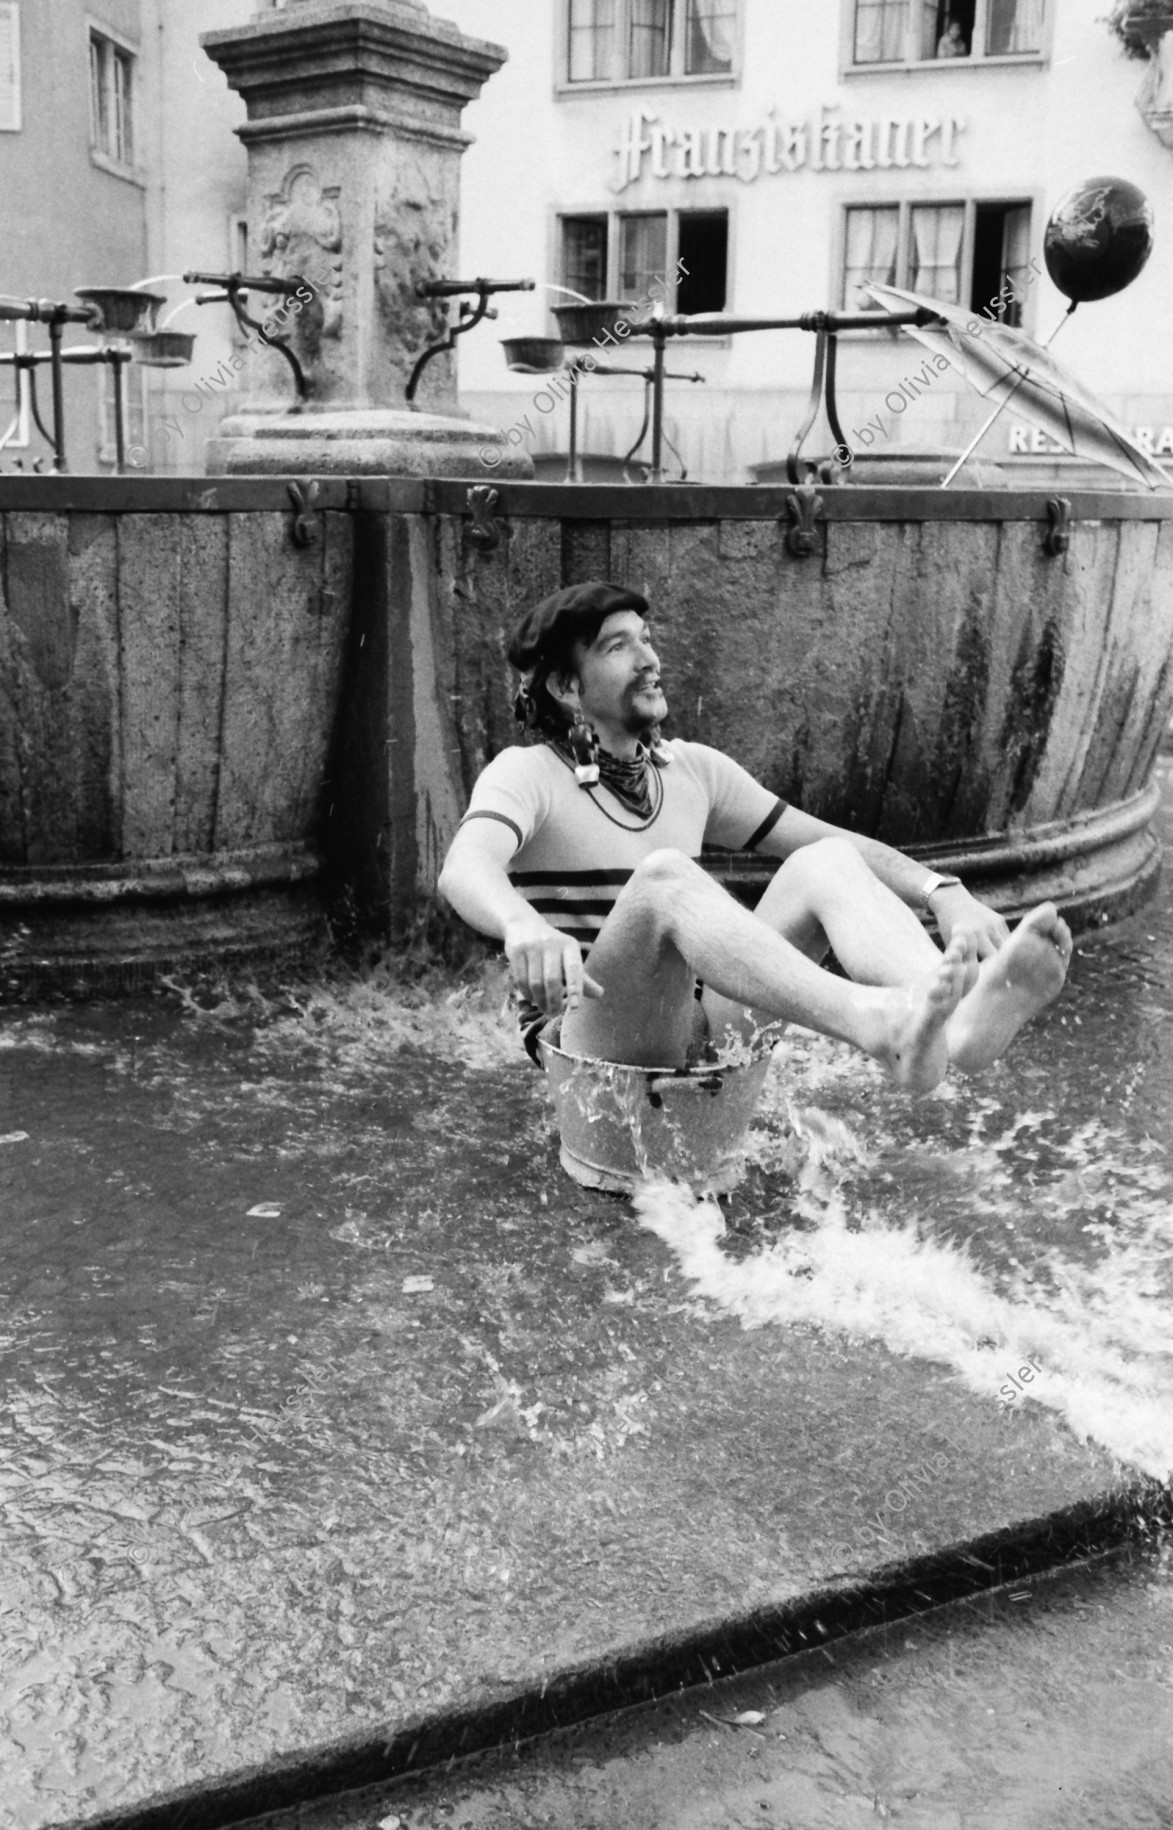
(525, 707)
(584, 745)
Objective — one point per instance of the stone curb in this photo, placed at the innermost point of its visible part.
(654, 1669)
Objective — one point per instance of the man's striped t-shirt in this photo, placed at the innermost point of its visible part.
(577, 847)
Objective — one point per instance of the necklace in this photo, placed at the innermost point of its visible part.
(634, 783)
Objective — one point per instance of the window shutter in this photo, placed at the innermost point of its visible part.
(9, 66)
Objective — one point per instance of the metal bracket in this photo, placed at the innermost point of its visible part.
(1057, 538)
(482, 506)
(802, 505)
(236, 283)
(468, 316)
(307, 523)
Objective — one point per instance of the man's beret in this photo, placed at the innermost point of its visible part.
(563, 614)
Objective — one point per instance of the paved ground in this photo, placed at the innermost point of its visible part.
(339, 1422)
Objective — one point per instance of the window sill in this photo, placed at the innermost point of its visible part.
(130, 173)
(605, 85)
(1025, 60)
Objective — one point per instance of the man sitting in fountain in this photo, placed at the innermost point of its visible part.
(582, 845)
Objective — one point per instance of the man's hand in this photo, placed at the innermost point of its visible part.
(547, 966)
(957, 912)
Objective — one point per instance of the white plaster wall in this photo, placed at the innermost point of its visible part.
(1030, 131)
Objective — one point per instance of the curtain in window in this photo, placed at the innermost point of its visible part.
(591, 38)
(710, 37)
(100, 86)
(879, 30)
(929, 26)
(123, 72)
(650, 38)
(936, 251)
(643, 254)
(1016, 257)
(1014, 25)
(872, 236)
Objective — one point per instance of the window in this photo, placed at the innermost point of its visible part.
(111, 100)
(643, 254)
(9, 67)
(702, 242)
(640, 41)
(591, 39)
(960, 253)
(584, 255)
(680, 256)
(923, 31)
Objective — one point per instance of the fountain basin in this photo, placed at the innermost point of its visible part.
(541, 355)
(122, 310)
(165, 349)
(978, 677)
(222, 699)
(170, 657)
(587, 323)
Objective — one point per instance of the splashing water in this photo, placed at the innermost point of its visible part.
(369, 1017)
(1099, 1326)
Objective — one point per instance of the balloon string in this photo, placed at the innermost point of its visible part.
(980, 435)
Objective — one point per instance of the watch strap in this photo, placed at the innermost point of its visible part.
(937, 881)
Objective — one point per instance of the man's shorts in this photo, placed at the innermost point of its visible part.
(550, 1027)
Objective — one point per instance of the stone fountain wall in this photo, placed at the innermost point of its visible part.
(225, 704)
(973, 677)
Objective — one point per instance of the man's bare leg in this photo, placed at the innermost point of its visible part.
(671, 922)
(824, 895)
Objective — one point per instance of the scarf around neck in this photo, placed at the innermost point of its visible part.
(629, 779)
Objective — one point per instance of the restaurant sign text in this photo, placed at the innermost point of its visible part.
(826, 142)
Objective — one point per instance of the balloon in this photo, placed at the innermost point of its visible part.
(1099, 237)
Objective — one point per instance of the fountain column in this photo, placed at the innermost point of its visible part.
(354, 143)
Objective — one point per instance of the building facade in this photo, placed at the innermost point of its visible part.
(759, 156)
(73, 198)
(106, 110)
(786, 154)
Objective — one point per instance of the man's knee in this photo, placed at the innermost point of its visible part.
(664, 868)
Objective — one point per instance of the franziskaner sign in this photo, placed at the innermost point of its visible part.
(826, 142)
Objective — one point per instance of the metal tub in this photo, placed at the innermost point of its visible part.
(619, 1123)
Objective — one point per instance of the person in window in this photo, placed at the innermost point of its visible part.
(951, 43)
(587, 840)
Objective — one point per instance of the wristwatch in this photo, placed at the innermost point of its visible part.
(934, 882)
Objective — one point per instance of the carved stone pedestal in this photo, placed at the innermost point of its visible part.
(354, 143)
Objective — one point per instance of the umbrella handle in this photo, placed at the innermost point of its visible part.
(980, 435)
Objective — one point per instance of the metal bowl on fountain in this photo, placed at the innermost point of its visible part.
(121, 310)
(537, 355)
(1099, 237)
(165, 349)
(619, 1123)
(584, 323)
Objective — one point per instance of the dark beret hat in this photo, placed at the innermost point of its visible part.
(561, 616)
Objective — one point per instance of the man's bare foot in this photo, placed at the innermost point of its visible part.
(911, 1046)
(1013, 985)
